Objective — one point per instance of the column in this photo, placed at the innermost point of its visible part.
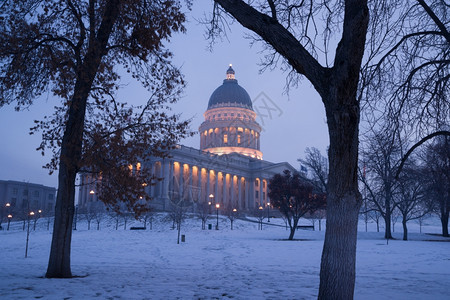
(190, 169)
(224, 189)
(232, 192)
(261, 190)
(165, 190)
(239, 202)
(250, 191)
(207, 184)
(216, 187)
(181, 182)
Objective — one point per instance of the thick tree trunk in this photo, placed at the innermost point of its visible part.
(405, 230)
(337, 272)
(444, 222)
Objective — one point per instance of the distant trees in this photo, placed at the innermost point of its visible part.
(293, 197)
(317, 164)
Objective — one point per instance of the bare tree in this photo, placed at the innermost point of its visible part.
(178, 213)
(231, 213)
(204, 213)
(290, 30)
(259, 214)
(318, 164)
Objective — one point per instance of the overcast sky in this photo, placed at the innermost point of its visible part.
(290, 122)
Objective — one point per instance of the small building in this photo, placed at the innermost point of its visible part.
(23, 197)
(227, 169)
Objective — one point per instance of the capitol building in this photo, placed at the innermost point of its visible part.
(227, 169)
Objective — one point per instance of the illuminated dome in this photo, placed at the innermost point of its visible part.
(230, 123)
(230, 94)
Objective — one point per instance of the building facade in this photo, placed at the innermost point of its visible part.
(227, 169)
(24, 197)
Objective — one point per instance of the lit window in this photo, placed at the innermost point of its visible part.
(239, 139)
(232, 115)
(225, 138)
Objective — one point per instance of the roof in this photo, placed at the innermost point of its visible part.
(230, 94)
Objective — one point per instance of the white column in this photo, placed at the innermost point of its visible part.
(207, 184)
(239, 202)
(224, 189)
(261, 199)
(181, 181)
(190, 183)
(216, 188)
(232, 191)
(250, 191)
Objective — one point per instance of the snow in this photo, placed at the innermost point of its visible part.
(244, 263)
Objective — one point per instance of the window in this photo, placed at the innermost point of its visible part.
(257, 194)
(50, 196)
(256, 183)
(15, 191)
(264, 184)
(24, 203)
(49, 207)
(239, 139)
(36, 193)
(225, 138)
(25, 192)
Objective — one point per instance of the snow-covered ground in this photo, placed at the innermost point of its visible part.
(244, 263)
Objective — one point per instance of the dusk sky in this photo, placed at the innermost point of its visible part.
(290, 122)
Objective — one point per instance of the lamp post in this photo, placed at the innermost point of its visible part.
(268, 211)
(75, 221)
(210, 202)
(8, 206)
(9, 220)
(261, 216)
(217, 212)
(28, 232)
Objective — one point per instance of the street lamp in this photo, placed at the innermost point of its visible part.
(28, 233)
(217, 212)
(260, 216)
(9, 220)
(211, 199)
(268, 211)
(75, 221)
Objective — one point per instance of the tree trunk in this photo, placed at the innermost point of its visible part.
(387, 218)
(444, 222)
(405, 229)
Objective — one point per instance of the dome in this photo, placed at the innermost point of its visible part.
(230, 94)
